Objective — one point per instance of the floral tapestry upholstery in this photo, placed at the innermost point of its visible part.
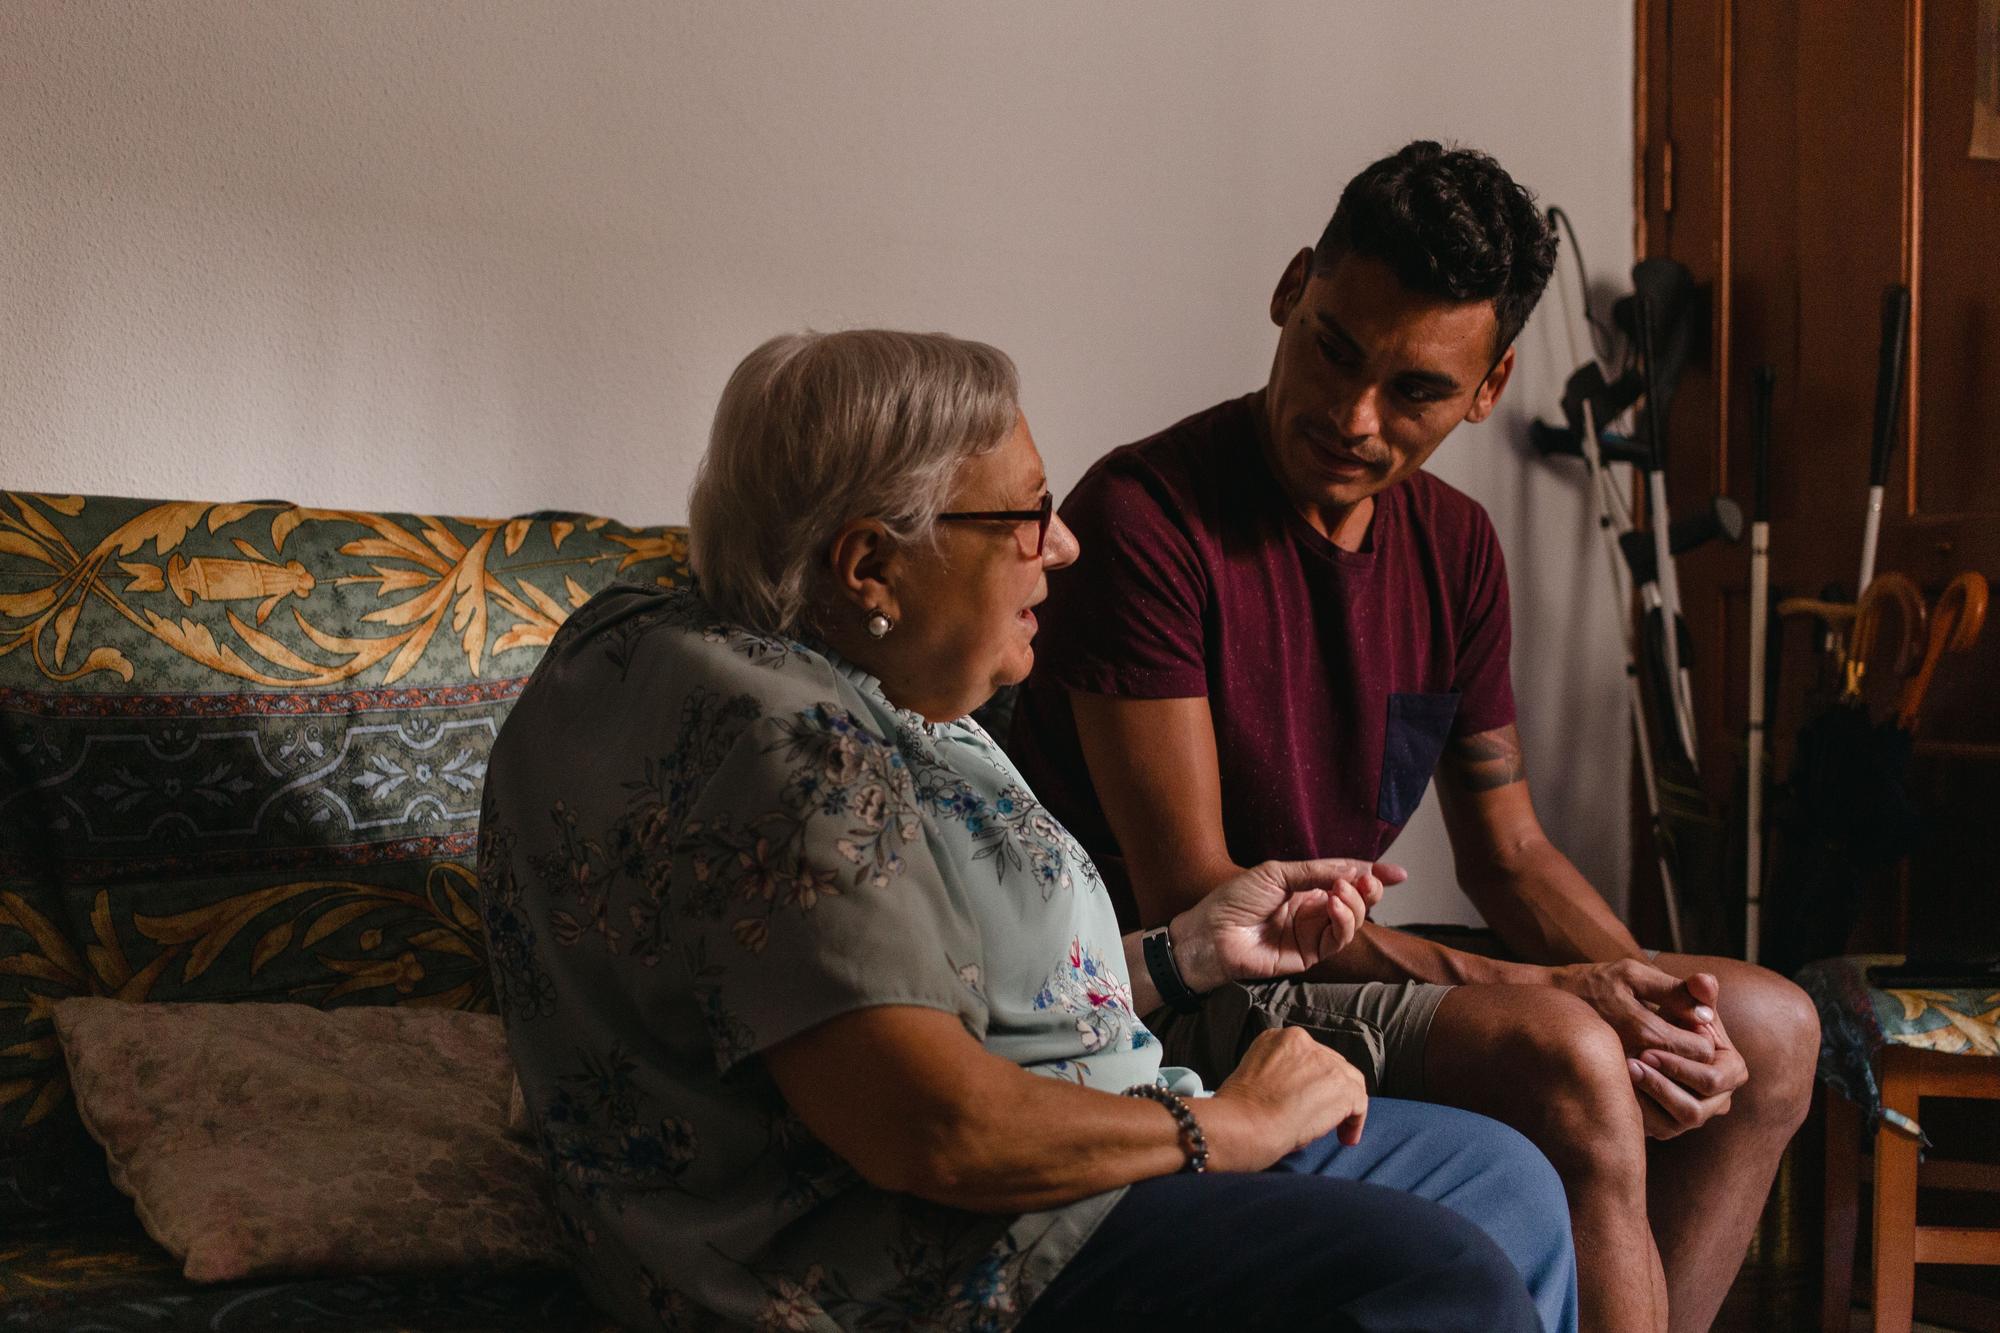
(1857, 1020)
(241, 755)
(104, 1273)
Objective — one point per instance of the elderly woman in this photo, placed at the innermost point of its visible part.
(824, 1023)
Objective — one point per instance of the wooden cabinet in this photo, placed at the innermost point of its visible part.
(1798, 158)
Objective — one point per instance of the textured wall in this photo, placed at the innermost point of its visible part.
(486, 258)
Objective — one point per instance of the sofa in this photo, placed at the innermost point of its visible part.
(241, 755)
(242, 747)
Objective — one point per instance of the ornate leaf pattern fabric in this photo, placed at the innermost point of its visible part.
(1857, 1020)
(241, 753)
(698, 842)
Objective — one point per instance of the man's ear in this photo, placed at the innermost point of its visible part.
(863, 562)
(1487, 396)
(1291, 286)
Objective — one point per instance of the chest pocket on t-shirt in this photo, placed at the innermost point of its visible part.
(1412, 742)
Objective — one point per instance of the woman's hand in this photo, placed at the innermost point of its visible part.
(1277, 919)
(1287, 1091)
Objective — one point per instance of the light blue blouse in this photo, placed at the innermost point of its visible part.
(699, 841)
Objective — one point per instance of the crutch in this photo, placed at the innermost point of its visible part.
(1610, 502)
(1585, 396)
(1657, 283)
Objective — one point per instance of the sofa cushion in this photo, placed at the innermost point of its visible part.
(241, 753)
(273, 1139)
(101, 1272)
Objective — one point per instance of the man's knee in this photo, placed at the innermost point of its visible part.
(1593, 1112)
(1574, 1089)
(1776, 1030)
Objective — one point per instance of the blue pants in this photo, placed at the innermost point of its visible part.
(1437, 1220)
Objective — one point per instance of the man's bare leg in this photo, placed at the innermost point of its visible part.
(1706, 1189)
(1544, 1062)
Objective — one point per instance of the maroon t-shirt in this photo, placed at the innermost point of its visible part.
(1334, 677)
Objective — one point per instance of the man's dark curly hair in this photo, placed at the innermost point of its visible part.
(1451, 222)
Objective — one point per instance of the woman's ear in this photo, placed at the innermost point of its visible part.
(863, 562)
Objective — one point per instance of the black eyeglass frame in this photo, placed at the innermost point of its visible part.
(1040, 516)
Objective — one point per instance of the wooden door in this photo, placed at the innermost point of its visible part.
(1799, 158)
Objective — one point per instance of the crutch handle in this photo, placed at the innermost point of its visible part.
(1722, 520)
(1955, 623)
(1835, 614)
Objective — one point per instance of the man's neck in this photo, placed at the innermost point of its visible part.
(1346, 528)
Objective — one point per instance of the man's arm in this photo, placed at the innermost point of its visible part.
(1154, 766)
(1153, 762)
(1541, 907)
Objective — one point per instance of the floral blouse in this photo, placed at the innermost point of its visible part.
(698, 841)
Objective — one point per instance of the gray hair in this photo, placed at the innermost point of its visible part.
(815, 430)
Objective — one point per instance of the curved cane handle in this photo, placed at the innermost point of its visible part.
(1955, 623)
(1885, 588)
(1833, 613)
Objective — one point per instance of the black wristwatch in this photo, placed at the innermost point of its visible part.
(1166, 973)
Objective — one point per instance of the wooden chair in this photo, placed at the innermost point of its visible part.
(1929, 1043)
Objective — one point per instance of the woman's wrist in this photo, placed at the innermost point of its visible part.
(1195, 954)
(1239, 1133)
(1194, 1142)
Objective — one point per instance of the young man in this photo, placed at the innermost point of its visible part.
(1282, 627)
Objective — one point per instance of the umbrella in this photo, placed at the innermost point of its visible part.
(1845, 812)
(1954, 626)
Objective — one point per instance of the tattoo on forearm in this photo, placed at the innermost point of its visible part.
(1489, 760)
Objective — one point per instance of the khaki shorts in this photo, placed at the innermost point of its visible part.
(1379, 1027)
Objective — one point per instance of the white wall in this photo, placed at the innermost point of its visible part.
(486, 258)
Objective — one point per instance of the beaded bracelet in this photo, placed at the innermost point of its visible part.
(1193, 1142)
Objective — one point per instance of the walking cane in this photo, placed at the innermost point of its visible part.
(1762, 384)
(1892, 363)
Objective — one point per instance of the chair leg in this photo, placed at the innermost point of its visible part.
(1843, 1206)
(1896, 1201)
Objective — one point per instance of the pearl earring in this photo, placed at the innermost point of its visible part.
(879, 624)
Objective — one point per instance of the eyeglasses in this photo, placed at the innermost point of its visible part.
(1039, 516)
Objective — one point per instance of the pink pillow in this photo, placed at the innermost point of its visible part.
(261, 1140)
